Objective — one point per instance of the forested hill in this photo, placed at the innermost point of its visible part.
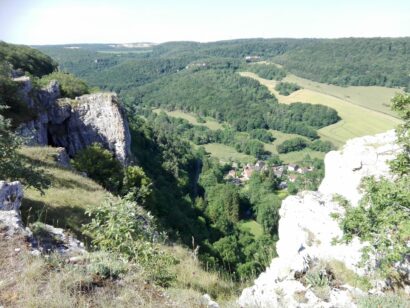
(350, 61)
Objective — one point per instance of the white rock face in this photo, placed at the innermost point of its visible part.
(359, 158)
(75, 124)
(307, 229)
(93, 118)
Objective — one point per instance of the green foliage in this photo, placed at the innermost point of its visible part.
(100, 165)
(267, 71)
(240, 101)
(286, 88)
(290, 145)
(70, 86)
(351, 61)
(298, 144)
(388, 301)
(383, 214)
(223, 206)
(124, 228)
(321, 146)
(262, 135)
(10, 96)
(14, 166)
(28, 59)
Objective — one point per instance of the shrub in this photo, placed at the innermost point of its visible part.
(291, 145)
(100, 165)
(286, 88)
(124, 228)
(70, 86)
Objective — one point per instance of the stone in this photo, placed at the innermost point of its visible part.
(359, 158)
(62, 158)
(308, 229)
(75, 123)
(94, 118)
(11, 195)
(209, 302)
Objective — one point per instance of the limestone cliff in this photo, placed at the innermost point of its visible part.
(75, 123)
(307, 229)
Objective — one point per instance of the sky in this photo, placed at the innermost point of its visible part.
(38, 22)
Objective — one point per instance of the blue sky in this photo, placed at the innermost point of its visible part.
(120, 21)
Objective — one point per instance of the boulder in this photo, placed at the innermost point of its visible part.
(11, 195)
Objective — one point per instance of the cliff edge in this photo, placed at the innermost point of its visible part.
(308, 229)
(76, 123)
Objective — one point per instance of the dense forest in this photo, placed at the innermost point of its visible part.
(239, 101)
(352, 61)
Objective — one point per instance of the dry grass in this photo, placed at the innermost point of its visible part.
(193, 281)
(64, 203)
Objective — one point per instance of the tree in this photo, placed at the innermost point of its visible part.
(100, 165)
(13, 165)
(383, 215)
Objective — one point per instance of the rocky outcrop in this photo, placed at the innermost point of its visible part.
(44, 239)
(75, 123)
(78, 123)
(308, 229)
(11, 195)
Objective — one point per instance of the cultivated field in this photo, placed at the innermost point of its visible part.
(226, 153)
(357, 120)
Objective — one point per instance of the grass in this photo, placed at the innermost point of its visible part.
(191, 118)
(226, 153)
(361, 114)
(253, 227)
(64, 203)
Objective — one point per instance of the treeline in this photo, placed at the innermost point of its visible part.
(298, 144)
(352, 61)
(267, 71)
(241, 102)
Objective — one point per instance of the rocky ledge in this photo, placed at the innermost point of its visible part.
(75, 123)
(307, 231)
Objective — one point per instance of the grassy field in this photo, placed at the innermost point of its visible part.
(191, 118)
(291, 157)
(253, 227)
(357, 120)
(64, 203)
(226, 153)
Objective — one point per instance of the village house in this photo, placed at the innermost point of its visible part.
(278, 171)
(302, 170)
(260, 166)
(252, 58)
(232, 173)
(247, 171)
(293, 167)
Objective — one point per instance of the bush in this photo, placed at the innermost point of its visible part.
(100, 165)
(291, 145)
(70, 86)
(286, 88)
(124, 228)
